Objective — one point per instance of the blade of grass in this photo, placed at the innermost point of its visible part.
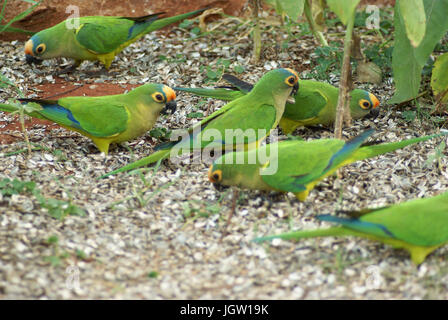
(20, 15)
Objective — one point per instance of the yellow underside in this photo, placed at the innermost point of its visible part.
(107, 58)
(310, 186)
(288, 126)
(418, 253)
(101, 143)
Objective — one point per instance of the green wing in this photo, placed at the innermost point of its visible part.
(301, 162)
(310, 102)
(422, 222)
(104, 35)
(88, 115)
(242, 121)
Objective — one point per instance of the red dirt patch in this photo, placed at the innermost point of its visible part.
(54, 91)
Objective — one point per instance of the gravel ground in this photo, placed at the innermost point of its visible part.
(164, 236)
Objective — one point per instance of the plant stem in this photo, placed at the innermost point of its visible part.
(317, 34)
(25, 134)
(342, 110)
(257, 33)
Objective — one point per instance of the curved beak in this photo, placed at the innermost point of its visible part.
(31, 59)
(220, 187)
(169, 108)
(291, 99)
(374, 100)
(374, 113)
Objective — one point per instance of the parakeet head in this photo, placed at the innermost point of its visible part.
(38, 47)
(232, 169)
(156, 93)
(215, 173)
(362, 103)
(281, 83)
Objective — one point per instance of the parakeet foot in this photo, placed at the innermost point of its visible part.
(67, 70)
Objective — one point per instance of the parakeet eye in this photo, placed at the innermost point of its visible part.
(363, 103)
(291, 80)
(41, 48)
(214, 176)
(158, 97)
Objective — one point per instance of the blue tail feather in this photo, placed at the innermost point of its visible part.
(349, 147)
(359, 225)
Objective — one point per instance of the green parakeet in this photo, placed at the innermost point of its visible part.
(296, 166)
(419, 226)
(244, 122)
(315, 102)
(95, 37)
(106, 119)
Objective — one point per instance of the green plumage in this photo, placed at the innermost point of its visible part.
(242, 123)
(315, 102)
(105, 120)
(420, 226)
(300, 165)
(96, 37)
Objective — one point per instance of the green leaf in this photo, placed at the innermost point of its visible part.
(414, 18)
(409, 115)
(344, 9)
(212, 74)
(186, 23)
(53, 239)
(81, 254)
(18, 30)
(195, 115)
(407, 61)
(159, 133)
(55, 261)
(196, 30)
(292, 8)
(238, 69)
(439, 78)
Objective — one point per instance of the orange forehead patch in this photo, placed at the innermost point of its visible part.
(169, 93)
(374, 100)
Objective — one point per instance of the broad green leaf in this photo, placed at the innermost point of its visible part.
(317, 11)
(407, 61)
(436, 27)
(344, 9)
(439, 78)
(406, 69)
(413, 13)
(292, 8)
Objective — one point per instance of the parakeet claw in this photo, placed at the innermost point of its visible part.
(170, 106)
(32, 60)
(66, 70)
